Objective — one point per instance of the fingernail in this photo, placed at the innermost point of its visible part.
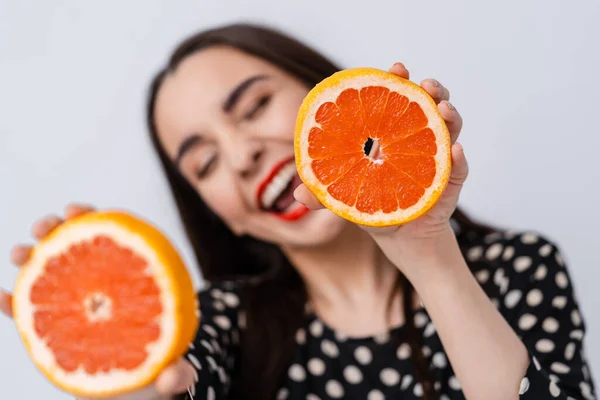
(399, 64)
(450, 106)
(435, 83)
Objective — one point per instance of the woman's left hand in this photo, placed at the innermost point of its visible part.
(437, 220)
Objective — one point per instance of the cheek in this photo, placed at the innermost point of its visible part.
(225, 201)
(282, 118)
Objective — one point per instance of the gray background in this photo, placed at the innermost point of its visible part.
(524, 74)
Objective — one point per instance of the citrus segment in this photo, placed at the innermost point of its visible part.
(422, 142)
(369, 197)
(104, 304)
(392, 117)
(420, 168)
(373, 101)
(329, 170)
(372, 147)
(346, 188)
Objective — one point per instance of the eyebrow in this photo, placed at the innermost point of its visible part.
(187, 145)
(236, 93)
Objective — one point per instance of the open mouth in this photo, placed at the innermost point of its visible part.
(276, 193)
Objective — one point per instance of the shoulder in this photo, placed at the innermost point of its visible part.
(518, 249)
(513, 260)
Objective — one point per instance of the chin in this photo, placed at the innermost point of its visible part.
(315, 229)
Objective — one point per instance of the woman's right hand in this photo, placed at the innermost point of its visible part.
(175, 379)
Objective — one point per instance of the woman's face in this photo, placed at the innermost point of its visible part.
(227, 120)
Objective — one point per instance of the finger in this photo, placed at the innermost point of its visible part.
(436, 90)
(304, 196)
(453, 119)
(6, 303)
(400, 70)
(176, 378)
(460, 167)
(74, 209)
(44, 226)
(20, 254)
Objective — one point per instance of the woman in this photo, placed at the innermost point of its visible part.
(304, 305)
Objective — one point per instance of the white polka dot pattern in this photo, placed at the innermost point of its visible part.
(474, 253)
(544, 345)
(541, 272)
(534, 298)
(329, 348)
(353, 374)
(316, 328)
(363, 355)
(522, 263)
(569, 351)
(421, 319)
(559, 302)
(316, 366)
(512, 298)
(375, 395)
(524, 386)
(526, 280)
(334, 389)
(406, 381)
(453, 383)
(223, 322)
(439, 360)
(494, 251)
(509, 252)
(418, 390)
(554, 389)
(550, 325)
(561, 280)
(297, 373)
(404, 351)
(483, 276)
(389, 376)
(301, 336)
(283, 394)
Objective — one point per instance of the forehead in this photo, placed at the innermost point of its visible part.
(193, 93)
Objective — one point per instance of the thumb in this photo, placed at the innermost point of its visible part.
(176, 378)
(304, 196)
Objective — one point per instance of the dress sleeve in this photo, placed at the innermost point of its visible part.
(538, 300)
(215, 349)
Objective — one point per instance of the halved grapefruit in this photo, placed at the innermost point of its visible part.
(372, 147)
(104, 303)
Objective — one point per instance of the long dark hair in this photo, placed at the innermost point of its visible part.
(275, 302)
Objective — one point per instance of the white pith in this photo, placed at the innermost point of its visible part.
(435, 122)
(79, 380)
(278, 184)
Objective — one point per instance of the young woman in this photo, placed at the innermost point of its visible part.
(304, 305)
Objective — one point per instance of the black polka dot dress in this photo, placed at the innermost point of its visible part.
(523, 274)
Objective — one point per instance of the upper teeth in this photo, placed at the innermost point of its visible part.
(277, 185)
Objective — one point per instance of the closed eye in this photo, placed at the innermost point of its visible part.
(206, 167)
(258, 106)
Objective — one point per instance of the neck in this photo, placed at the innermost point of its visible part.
(349, 276)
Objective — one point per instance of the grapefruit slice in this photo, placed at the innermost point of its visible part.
(372, 147)
(104, 304)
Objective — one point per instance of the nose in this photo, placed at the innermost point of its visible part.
(245, 156)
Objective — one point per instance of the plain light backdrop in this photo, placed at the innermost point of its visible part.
(524, 74)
